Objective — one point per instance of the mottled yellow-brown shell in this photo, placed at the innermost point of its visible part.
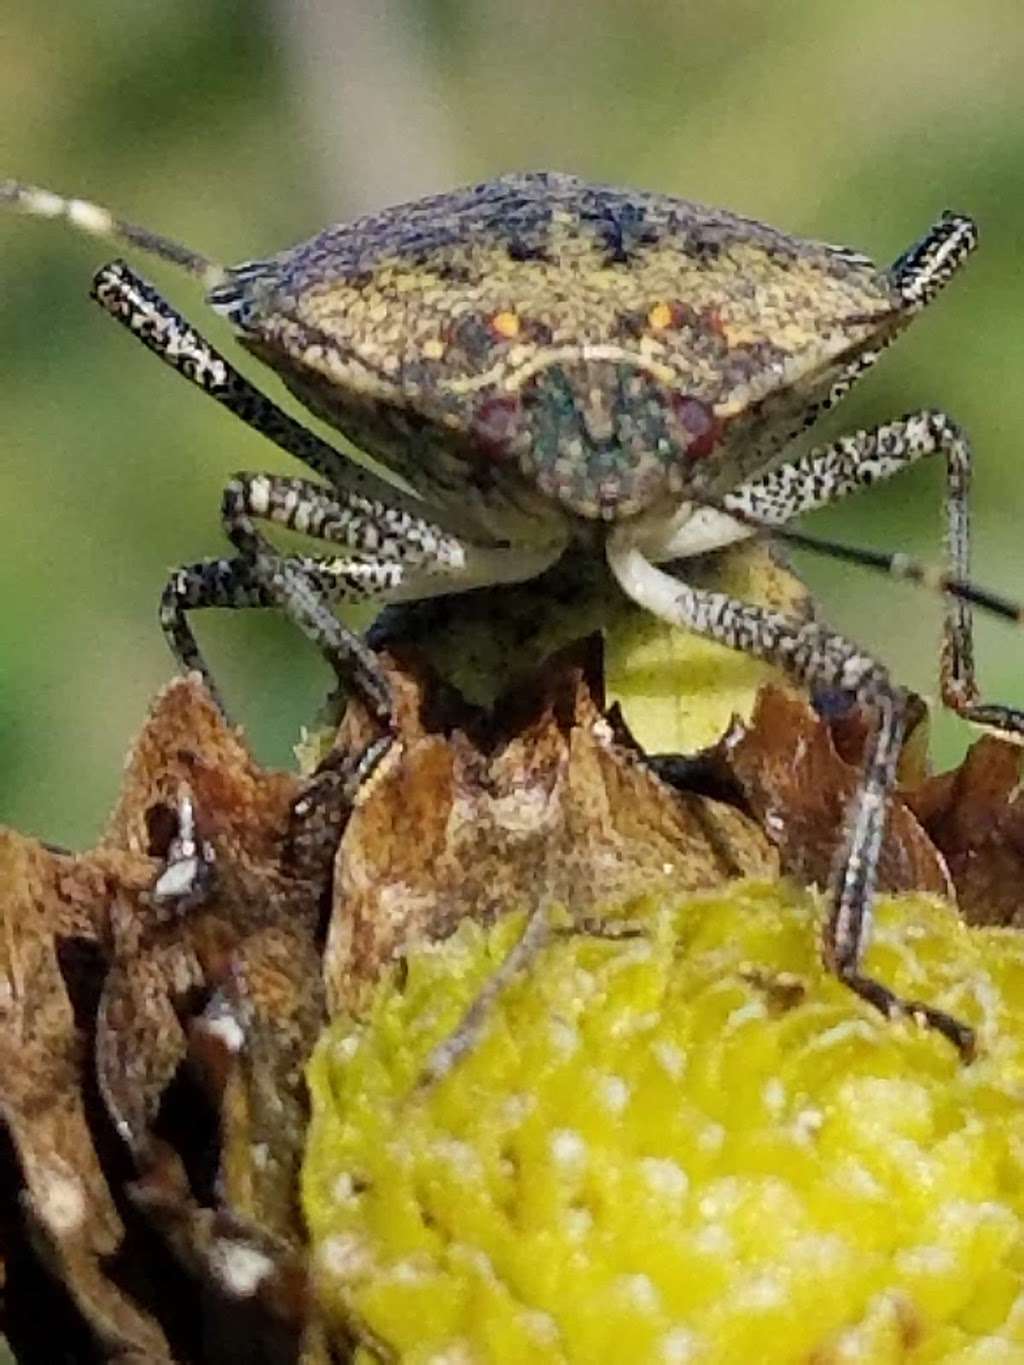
(600, 343)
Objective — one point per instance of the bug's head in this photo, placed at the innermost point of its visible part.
(605, 435)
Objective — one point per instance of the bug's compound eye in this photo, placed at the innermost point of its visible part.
(698, 424)
(496, 424)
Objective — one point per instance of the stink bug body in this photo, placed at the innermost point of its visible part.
(554, 366)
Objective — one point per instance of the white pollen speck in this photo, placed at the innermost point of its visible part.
(239, 1267)
(478, 1260)
(855, 1177)
(457, 1353)
(852, 1346)
(743, 1014)
(960, 1215)
(61, 1202)
(763, 1291)
(458, 1154)
(640, 1291)
(541, 1326)
(567, 1147)
(713, 1240)
(565, 1037)
(614, 1093)
(226, 1029)
(347, 1047)
(584, 983)
(405, 1272)
(343, 1191)
(711, 1137)
(679, 1346)
(89, 217)
(773, 1095)
(259, 1153)
(807, 1124)
(926, 1260)
(346, 1256)
(669, 1058)
(517, 1107)
(578, 1222)
(665, 1177)
(842, 1033)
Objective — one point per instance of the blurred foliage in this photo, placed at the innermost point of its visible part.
(240, 128)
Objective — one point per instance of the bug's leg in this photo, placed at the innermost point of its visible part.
(134, 303)
(814, 656)
(386, 567)
(304, 586)
(927, 267)
(243, 582)
(384, 534)
(832, 472)
(209, 583)
(448, 1052)
(395, 558)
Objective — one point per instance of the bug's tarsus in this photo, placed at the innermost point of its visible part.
(855, 877)
(928, 265)
(815, 657)
(320, 813)
(97, 221)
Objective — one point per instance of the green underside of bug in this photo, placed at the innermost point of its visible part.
(695, 1145)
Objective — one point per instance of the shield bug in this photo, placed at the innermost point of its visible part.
(559, 367)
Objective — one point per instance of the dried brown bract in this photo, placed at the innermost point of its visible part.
(160, 995)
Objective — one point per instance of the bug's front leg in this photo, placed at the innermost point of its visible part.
(816, 657)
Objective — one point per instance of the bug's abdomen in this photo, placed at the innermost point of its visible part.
(604, 438)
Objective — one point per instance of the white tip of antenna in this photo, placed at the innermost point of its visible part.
(89, 217)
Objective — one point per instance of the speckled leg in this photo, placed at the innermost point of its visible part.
(830, 473)
(385, 569)
(134, 303)
(301, 586)
(815, 656)
(397, 551)
(384, 535)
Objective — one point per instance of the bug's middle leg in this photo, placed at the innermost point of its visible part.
(387, 558)
(311, 585)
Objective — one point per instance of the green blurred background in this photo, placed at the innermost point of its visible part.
(242, 127)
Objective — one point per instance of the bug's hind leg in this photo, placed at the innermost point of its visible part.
(832, 472)
(816, 657)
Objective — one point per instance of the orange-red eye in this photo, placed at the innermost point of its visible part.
(699, 422)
